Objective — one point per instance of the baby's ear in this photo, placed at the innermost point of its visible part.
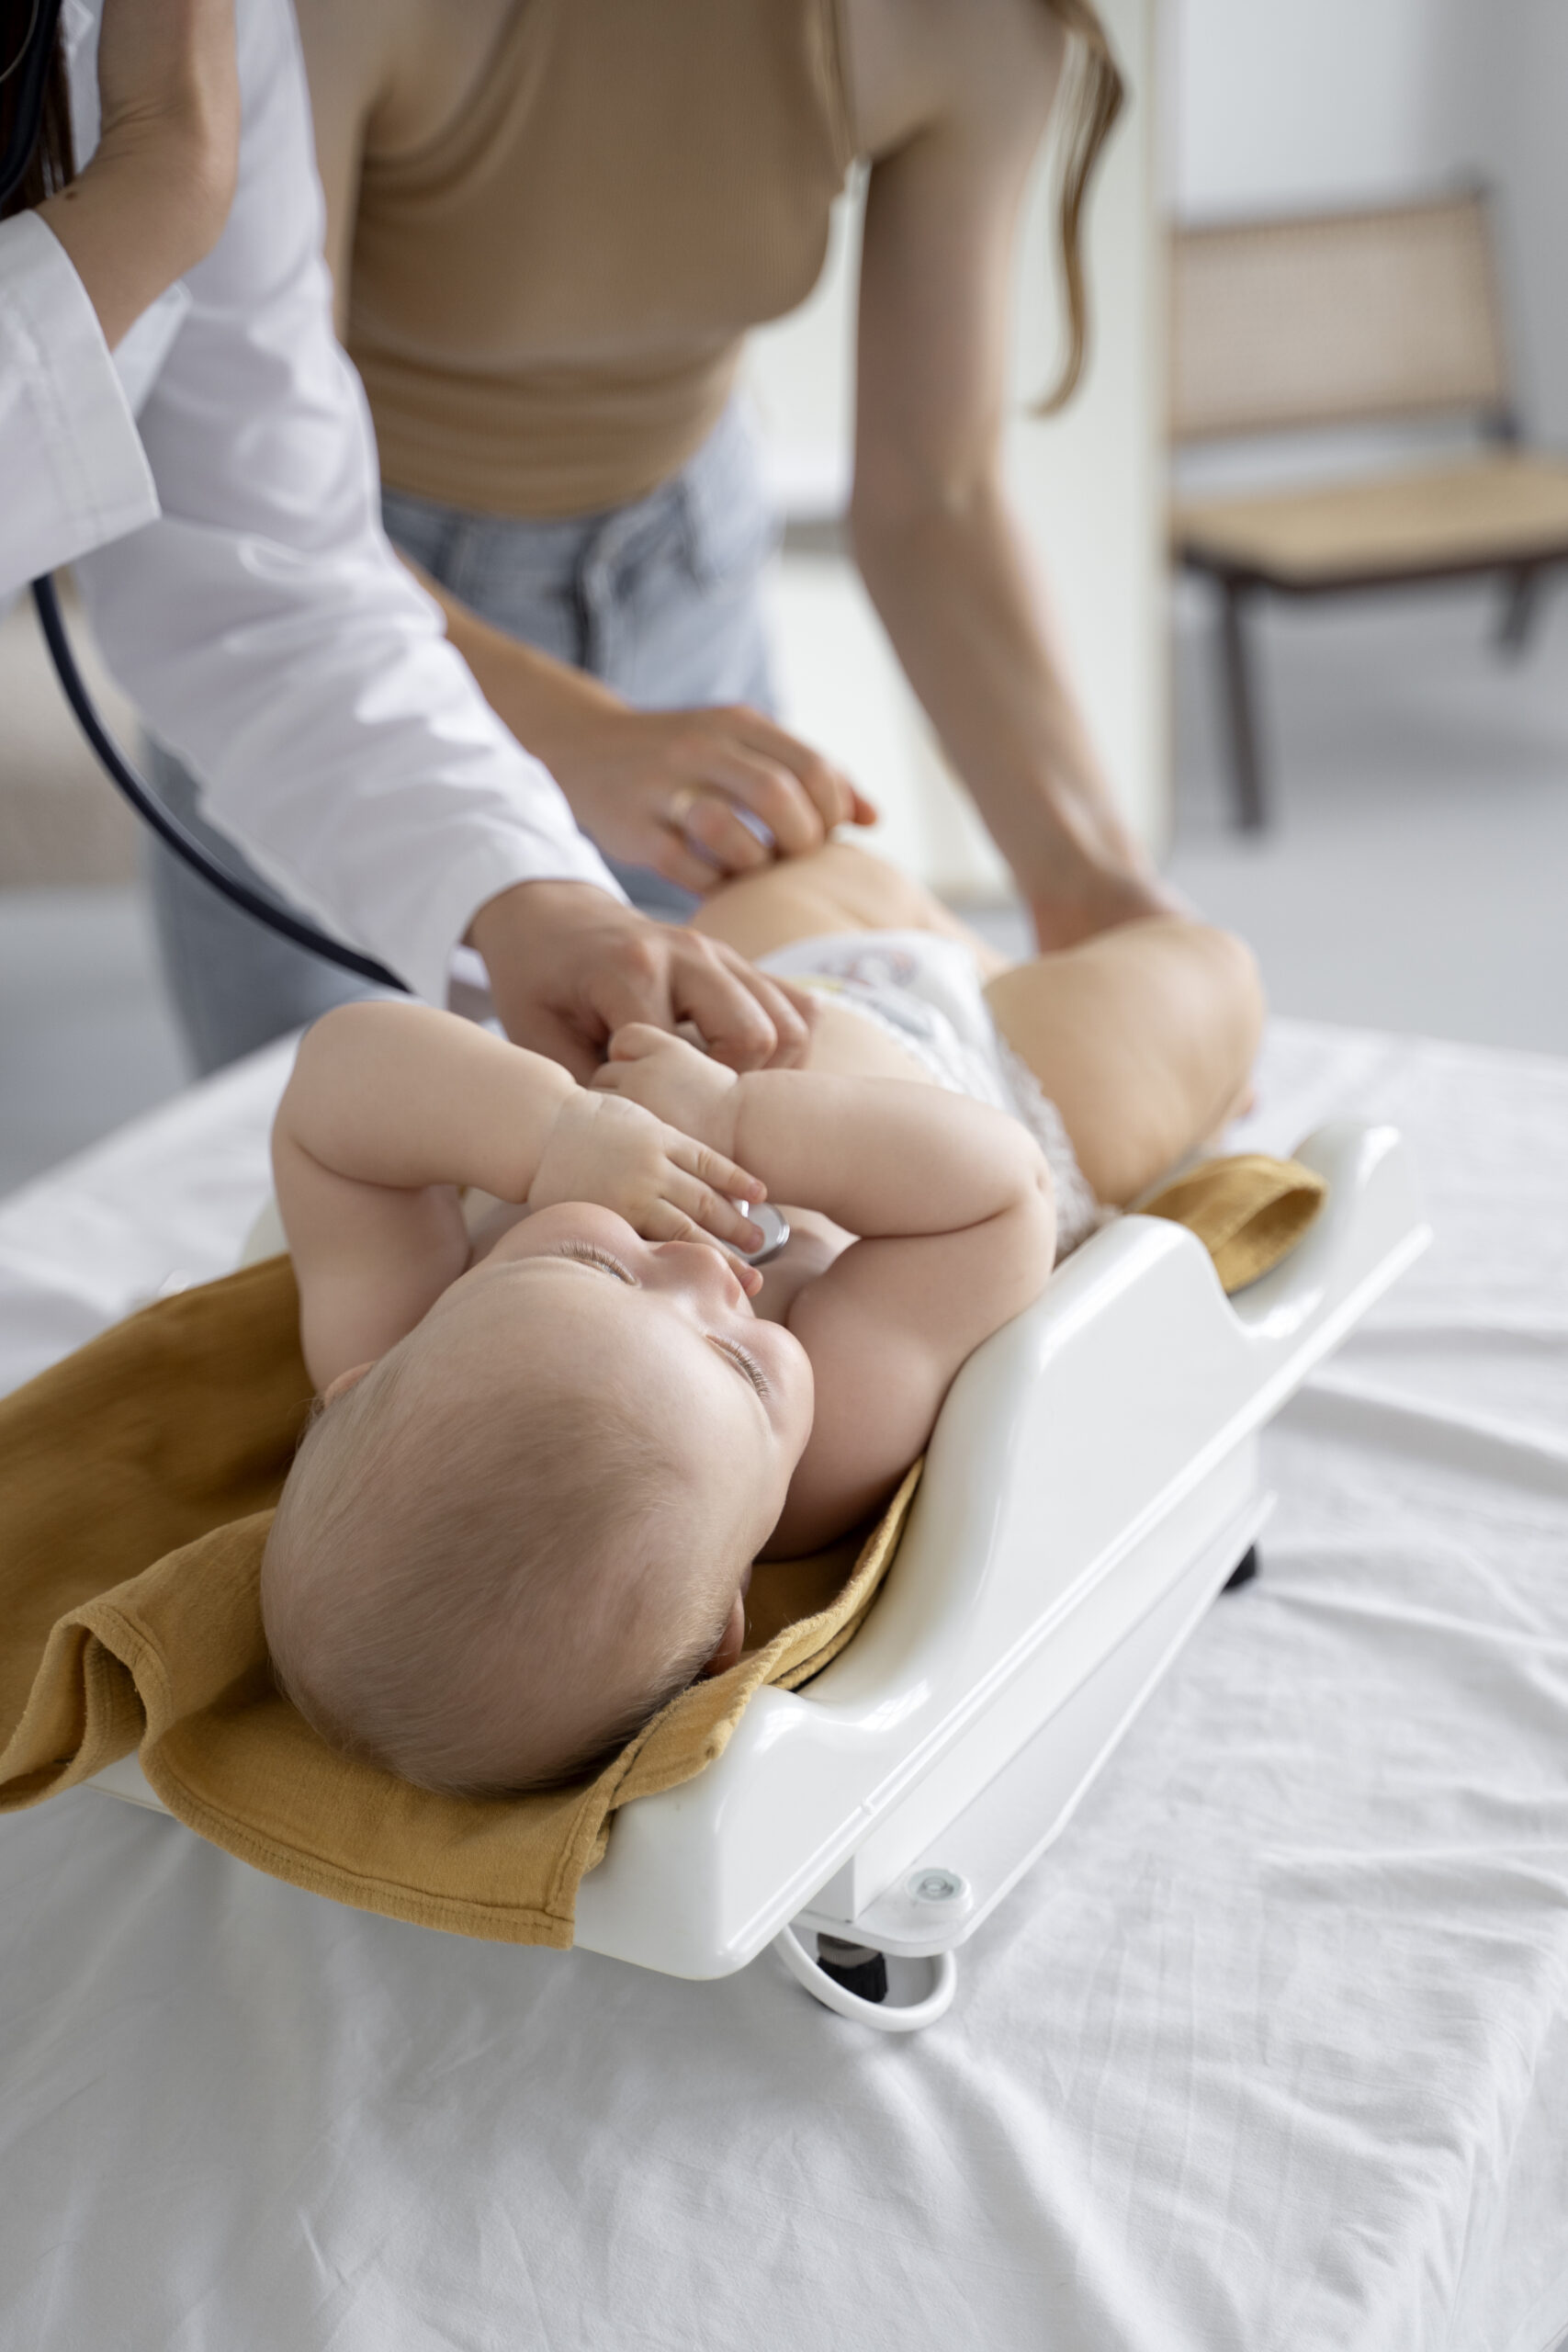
(343, 1383)
(731, 1641)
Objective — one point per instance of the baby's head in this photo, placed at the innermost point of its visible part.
(513, 1538)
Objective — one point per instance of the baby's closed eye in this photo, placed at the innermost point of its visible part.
(743, 1359)
(589, 1253)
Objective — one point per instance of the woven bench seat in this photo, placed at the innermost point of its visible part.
(1486, 513)
(1330, 320)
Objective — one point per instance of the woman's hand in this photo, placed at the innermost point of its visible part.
(668, 1186)
(153, 199)
(687, 1089)
(697, 795)
(664, 788)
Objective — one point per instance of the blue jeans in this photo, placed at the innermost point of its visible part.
(661, 599)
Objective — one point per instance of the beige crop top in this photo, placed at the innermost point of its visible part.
(547, 304)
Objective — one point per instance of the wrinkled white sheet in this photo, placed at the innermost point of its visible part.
(1271, 2054)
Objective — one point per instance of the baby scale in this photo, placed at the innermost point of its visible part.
(1091, 1484)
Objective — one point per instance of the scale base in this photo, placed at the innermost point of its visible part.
(943, 1896)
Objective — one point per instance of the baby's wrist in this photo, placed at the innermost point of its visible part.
(743, 1129)
(555, 1094)
(721, 1119)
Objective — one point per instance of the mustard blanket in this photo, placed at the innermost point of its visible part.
(137, 1481)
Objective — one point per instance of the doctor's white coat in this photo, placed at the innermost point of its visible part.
(216, 484)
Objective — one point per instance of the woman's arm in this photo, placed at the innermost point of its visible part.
(942, 555)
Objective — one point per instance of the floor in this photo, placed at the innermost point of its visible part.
(1413, 880)
(1413, 877)
(85, 1039)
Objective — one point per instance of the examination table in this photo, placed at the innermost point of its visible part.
(1269, 2051)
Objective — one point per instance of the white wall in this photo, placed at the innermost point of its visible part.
(1294, 102)
(1499, 84)
(1273, 103)
(1087, 485)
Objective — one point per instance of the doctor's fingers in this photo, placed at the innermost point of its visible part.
(576, 1041)
(734, 1005)
(655, 973)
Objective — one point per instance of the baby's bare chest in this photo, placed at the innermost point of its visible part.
(814, 1242)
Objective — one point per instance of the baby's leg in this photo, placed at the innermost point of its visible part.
(1142, 1037)
(835, 888)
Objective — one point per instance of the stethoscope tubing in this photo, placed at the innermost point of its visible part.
(169, 828)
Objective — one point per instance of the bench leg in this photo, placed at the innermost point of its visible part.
(1521, 602)
(1247, 777)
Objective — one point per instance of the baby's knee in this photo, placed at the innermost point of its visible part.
(1235, 989)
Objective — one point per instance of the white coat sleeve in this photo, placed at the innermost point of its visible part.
(72, 471)
(264, 626)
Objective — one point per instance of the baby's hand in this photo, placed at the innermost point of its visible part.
(667, 1185)
(673, 1080)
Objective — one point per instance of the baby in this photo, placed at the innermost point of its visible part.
(549, 1448)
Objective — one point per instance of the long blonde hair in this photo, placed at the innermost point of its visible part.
(1096, 95)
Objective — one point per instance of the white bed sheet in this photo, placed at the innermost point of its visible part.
(1272, 2052)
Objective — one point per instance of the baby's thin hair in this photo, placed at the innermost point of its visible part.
(427, 1553)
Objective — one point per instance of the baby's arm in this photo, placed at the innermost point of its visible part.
(392, 1107)
(954, 1202)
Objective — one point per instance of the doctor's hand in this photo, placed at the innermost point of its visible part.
(569, 966)
(154, 198)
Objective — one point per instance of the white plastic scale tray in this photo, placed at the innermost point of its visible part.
(1091, 1484)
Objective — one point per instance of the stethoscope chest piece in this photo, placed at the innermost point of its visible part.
(775, 1227)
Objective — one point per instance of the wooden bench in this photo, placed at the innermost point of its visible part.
(1340, 320)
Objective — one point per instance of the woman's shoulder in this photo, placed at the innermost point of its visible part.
(916, 65)
(404, 69)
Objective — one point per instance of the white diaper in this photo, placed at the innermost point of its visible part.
(925, 993)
